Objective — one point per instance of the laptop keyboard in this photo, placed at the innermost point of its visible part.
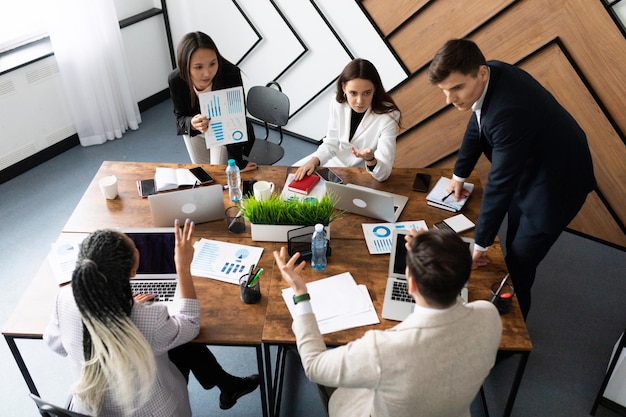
(400, 292)
(163, 290)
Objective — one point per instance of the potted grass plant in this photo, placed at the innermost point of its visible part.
(272, 218)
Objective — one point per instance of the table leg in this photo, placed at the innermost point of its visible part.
(262, 377)
(521, 367)
(21, 365)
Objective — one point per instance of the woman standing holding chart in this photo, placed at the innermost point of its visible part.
(201, 68)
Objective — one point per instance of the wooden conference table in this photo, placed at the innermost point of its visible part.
(225, 319)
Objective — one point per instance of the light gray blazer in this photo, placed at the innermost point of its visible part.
(431, 364)
(169, 396)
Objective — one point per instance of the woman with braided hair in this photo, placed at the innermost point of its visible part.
(119, 347)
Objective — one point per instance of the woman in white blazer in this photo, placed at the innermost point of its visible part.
(362, 126)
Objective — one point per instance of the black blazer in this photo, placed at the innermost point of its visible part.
(539, 156)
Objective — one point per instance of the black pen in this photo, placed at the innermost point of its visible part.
(449, 194)
(250, 273)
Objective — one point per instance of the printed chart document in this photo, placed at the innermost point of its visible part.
(440, 197)
(227, 113)
(379, 236)
(63, 255)
(338, 303)
(223, 261)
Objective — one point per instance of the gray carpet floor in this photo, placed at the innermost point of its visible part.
(577, 315)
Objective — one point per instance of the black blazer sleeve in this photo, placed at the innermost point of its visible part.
(183, 109)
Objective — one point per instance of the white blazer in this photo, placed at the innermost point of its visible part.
(432, 364)
(376, 131)
(169, 396)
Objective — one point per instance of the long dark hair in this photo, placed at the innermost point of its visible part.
(189, 44)
(365, 70)
(112, 343)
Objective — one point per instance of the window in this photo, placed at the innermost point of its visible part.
(23, 22)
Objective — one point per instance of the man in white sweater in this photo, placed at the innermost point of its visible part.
(431, 364)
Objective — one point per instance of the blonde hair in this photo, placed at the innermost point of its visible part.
(118, 360)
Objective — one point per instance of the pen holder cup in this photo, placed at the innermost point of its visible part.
(249, 295)
(503, 300)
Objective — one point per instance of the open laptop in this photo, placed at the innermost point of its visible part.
(156, 273)
(368, 201)
(200, 204)
(398, 303)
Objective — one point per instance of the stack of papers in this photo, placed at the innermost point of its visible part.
(440, 197)
(223, 261)
(338, 303)
(379, 236)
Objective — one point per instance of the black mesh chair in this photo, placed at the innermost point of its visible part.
(50, 410)
(271, 106)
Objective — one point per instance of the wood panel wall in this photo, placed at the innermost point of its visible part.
(573, 47)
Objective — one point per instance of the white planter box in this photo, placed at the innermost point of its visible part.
(275, 232)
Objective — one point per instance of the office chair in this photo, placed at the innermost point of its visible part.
(271, 106)
(50, 410)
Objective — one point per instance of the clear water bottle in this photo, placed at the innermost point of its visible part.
(234, 181)
(318, 248)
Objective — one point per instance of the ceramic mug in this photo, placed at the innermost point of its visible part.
(263, 190)
(108, 186)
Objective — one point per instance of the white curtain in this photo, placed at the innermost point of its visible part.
(92, 63)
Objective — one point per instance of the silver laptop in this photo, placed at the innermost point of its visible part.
(201, 204)
(368, 201)
(398, 303)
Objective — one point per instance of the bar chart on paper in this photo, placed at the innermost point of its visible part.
(227, 114)
(223, 261)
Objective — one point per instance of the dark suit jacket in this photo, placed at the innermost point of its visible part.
(227, 76)
(540, 158)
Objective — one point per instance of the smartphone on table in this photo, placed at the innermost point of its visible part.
(202, 176)
(421, 183)
(328, 175)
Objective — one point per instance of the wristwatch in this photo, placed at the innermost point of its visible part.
(301, 297)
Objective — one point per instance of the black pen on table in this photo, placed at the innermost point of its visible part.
(256, 277)
(449, 194)
(250, 272)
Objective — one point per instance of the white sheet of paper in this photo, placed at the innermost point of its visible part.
(378, 236)
(338, 303)
(223, 261)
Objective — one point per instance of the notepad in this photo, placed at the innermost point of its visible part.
(304, 185)
(170, 178)
(440, 197)
(458, 223)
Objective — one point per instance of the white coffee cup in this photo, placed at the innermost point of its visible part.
(263, 190)
(108, 186)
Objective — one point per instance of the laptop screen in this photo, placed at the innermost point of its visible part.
(156, 252)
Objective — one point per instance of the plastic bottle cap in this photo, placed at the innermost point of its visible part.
(319, 227)
(231, 162)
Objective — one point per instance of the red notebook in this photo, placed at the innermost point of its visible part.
(304, 185)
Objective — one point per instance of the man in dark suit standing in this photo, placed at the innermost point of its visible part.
(541, 168)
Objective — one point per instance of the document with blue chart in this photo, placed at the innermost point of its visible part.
(379, 236)
(223, 261)
(227, 113)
